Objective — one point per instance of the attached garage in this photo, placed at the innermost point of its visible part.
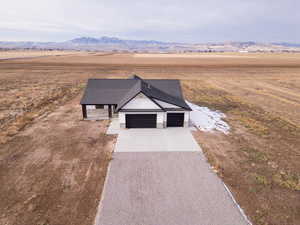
(138, 103)
(175, 119)
(140, 120)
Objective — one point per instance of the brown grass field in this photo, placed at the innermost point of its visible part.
(53, 164)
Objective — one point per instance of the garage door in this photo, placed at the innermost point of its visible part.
(175, 119)
(140, 120)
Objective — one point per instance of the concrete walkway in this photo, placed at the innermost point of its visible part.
(165, 186)
(114, 126)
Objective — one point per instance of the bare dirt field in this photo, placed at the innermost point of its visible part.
(53, 171)
(16, 54)
(190, 55)
(258, 160)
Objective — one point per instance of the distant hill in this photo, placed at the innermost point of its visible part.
(113, 40)
(287, 44)
(123, 45)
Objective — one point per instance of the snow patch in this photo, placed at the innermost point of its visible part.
(207, 120)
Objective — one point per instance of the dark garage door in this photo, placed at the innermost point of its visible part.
(175, 119)
(140, 120)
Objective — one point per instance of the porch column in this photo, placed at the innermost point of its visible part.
(109, 111)
(83, 111)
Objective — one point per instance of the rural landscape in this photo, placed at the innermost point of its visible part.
(53, 163)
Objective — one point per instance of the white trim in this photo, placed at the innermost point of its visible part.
(238, 206)
(160, 116)
(166, 104)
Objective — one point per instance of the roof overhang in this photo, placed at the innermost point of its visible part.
(141, 110)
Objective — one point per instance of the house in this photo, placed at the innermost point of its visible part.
(138, 103)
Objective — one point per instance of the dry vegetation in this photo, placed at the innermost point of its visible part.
(258, 160)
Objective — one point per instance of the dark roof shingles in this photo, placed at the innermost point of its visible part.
(120, 91)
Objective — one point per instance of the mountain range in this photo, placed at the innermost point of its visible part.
(116, 44)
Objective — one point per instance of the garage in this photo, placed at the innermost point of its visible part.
(140, 120)
(175, 119)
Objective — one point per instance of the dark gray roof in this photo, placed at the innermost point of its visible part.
(121, 91)
(106, 91)
(131, 93)
(171, 87)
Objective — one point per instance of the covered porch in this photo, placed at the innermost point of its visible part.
(98, 112)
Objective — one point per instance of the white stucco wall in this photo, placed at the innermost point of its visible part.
(141, 102)
(187, 116)
(160, 117)
(121, 117)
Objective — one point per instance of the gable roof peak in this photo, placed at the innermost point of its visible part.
(136, 77)
(151, 92)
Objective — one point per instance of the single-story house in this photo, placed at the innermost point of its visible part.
(137, 102)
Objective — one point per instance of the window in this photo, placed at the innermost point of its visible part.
(99, 106)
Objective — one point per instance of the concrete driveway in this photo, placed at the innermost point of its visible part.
(165, 188)
(161, 177)
(156, 140)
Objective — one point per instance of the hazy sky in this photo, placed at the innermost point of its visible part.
(166, 20)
